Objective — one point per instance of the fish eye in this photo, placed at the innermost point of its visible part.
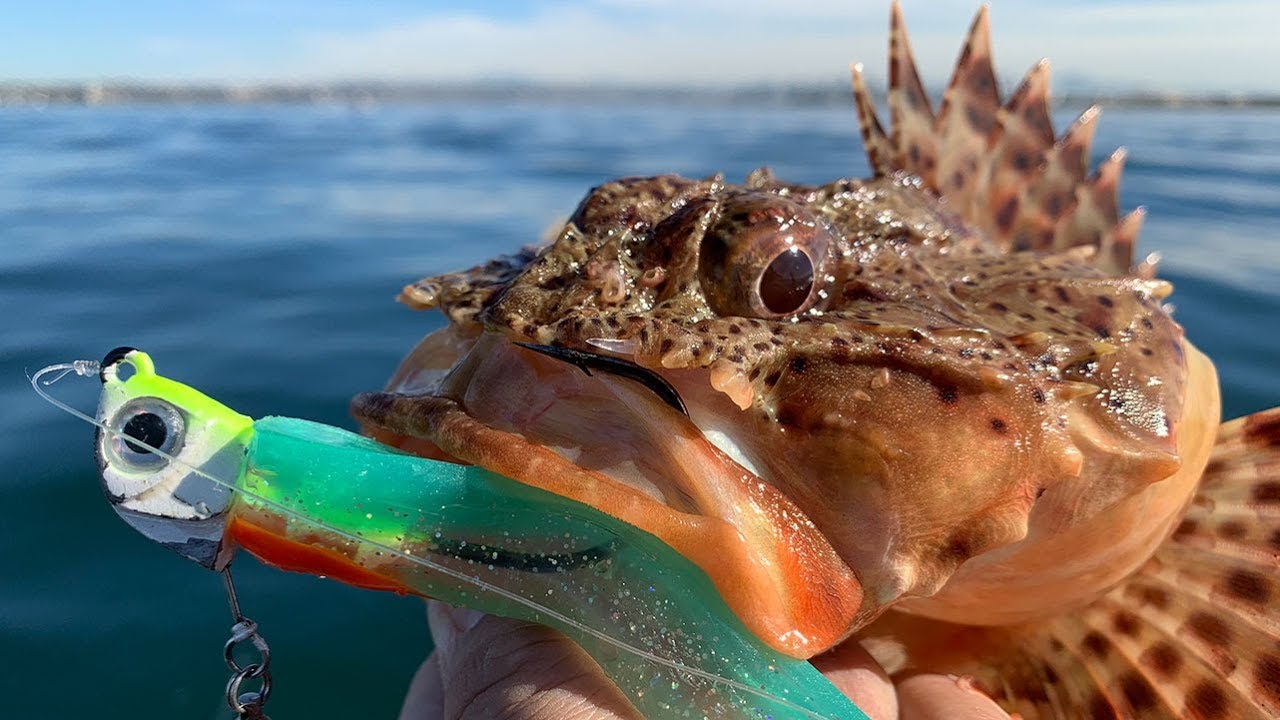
(762, 257)
(786, 282)
(143, 424)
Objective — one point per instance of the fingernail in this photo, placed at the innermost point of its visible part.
(464, 618)
(447, 621)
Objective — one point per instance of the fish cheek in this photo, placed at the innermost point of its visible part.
(907, 475)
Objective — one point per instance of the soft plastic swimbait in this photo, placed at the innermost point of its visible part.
(194, 475)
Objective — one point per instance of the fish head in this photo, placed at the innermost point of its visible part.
(168, 455)
(933, 385)
(866, 399)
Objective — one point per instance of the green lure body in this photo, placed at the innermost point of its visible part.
(315, 498)
(576, 561)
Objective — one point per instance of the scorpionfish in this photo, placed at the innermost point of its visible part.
(942, 410)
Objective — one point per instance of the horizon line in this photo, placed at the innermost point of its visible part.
(375, 91)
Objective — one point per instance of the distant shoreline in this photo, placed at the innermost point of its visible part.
(361, 94)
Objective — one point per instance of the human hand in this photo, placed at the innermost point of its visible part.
(487, 667)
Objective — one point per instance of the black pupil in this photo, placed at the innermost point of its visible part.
(786, 283)
(148, 428)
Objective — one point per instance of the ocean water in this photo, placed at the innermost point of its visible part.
(255, 251)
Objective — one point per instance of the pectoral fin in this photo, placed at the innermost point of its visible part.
(1194, 634)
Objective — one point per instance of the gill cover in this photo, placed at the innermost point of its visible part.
(158, 493)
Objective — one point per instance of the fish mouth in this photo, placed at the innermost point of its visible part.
(614, 437)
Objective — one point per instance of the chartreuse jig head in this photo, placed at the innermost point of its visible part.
(189, 473)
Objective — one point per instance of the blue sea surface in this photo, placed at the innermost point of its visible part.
(255, 251)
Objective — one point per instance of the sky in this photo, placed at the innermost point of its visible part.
(1173, 46)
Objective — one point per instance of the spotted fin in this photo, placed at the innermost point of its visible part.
(1194, 634)
(999, 165)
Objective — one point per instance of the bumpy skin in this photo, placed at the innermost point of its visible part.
(950, 384)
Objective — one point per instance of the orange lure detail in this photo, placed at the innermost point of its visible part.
(281, 552)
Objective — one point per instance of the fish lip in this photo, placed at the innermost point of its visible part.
(423, 413)
(430, 422)
(453, 434)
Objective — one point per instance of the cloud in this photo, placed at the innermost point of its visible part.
(1177, 45)
(573, 44)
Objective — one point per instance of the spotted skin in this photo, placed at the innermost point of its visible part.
(978, 407)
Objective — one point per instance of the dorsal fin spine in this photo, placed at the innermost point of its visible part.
(1000, 166)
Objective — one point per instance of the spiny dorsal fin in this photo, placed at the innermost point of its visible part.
(1052, 196)
(913, 137)
(999, 166)
(968, 118)
(1097, 212)
(1025, 137)
(879, 149)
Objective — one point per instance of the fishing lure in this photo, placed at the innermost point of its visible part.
(204, 480)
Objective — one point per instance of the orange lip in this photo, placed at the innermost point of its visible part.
(772, 566)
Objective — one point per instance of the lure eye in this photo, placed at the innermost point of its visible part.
(763, 256)
(147, 428)
(143, 424)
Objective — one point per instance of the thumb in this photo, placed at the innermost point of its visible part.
(495, 667)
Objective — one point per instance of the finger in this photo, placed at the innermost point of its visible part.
(425, 699)
(856, 674)
(494, 667)
(928, 696)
